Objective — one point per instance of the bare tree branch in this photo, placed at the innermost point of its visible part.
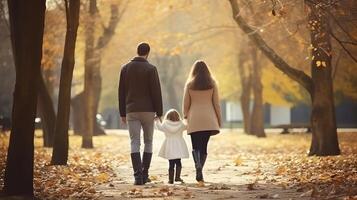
(109, 30)
(343, 46)
(297, 75)
(341, 27)
(335, 66)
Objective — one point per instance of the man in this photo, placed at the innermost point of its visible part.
(140, 102)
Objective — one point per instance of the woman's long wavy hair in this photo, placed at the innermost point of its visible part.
(200, 77)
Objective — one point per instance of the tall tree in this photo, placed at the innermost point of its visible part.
(319, 85)
(323, 118)
(7, 69)
(47, 113)
(26, 25)
(246, 83)
(92, 74)
(257, 115)
(92, 79)
(60, 146)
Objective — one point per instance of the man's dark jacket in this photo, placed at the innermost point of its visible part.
(139, 88)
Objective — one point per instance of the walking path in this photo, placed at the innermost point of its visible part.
(230, 172)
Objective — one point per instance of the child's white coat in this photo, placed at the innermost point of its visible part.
(174, 146)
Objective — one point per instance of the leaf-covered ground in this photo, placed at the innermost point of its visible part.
(238, 167)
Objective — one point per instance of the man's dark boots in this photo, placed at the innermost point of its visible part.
(137, 167)
(171, 175)
(178, 174)
(198, 165)
(146, 165)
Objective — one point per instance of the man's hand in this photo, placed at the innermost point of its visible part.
(158, 118)
(123, 120)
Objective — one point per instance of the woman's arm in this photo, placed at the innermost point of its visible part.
(217, 105)
(183, 126)
(186, 102)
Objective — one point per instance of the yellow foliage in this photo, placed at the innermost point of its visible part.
(277, 85)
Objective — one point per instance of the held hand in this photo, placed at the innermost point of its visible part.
(123, 120)
(158, 118)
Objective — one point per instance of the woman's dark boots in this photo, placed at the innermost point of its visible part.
(171, 175)
(178, 174)
(198, 164)
(137, 167)
(146, 165)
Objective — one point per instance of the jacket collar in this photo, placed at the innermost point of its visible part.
(139, 59)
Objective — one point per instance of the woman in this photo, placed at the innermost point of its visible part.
(202, 110)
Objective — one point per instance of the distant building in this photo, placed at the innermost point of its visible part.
(346, 114)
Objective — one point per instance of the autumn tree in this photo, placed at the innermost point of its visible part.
(60, 146)
(245, 73)
(26, 25)
(92, 75)
(7, 69)
(46, 112)
(52, 50)
(319, 85)
(257, 114)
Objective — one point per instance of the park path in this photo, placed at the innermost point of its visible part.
(230, 173)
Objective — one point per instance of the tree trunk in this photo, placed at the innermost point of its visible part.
(78, 115)
(27, 26)
(323, 122)
(7, 68)
(47, 114)
(246, 82)
(60, 147)
(89, 78)
(93, 78)
(245, 106)
(257, 116)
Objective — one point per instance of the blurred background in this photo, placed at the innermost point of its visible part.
(181, 32)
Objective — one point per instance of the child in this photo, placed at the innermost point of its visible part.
(174, 147)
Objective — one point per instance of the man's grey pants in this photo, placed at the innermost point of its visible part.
(136, 121)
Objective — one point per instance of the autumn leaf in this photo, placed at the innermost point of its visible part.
(318, 63)
(102, 178)
(281, 170)
(154, 178)
(238, 161)
(323, 63)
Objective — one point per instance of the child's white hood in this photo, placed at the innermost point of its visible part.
(173, 127)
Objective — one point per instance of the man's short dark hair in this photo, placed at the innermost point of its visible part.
(143, 49)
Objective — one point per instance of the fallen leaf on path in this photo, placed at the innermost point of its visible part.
(238, 161)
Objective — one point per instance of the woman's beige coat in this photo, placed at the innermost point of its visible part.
(202, 110)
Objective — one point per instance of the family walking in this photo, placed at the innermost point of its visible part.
(140, 105)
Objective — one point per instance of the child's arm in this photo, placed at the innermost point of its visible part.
(158, 125)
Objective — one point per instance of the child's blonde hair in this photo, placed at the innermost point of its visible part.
(173, 115)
